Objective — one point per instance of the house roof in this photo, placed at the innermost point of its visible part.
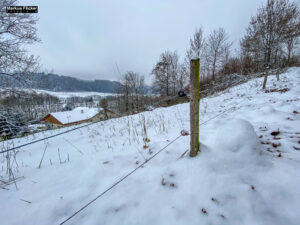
(76, 115)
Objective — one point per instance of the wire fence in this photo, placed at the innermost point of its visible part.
(128, 174)
(46, 138)
(76, 128)
(119, 181)
(140, 166)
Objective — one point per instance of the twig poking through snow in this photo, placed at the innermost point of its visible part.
(59, 156)
(43, 156)
(73, 146)
(4, 188)
(25, 201)
(183, 154)
(140, 153)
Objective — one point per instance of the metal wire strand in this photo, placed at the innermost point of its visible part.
(127, 175)
(119, 181)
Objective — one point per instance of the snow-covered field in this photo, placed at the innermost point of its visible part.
(60, 94)
(243, 174)
(74, 94)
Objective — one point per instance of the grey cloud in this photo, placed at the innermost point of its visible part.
(86, 39)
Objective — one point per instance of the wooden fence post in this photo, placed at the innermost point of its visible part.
(194, 106)
(266, 78)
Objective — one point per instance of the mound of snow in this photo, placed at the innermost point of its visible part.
(237, 135)
(234, 147)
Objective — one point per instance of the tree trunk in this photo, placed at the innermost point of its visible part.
(194, 107)
(289, 47)
(137, 102)
(167, 86)
(213, 71)
(266, 78)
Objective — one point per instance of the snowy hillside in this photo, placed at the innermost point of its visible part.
(62, 95)
(243, 174)
(74, 94)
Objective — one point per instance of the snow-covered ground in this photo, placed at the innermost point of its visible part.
(73, 94)
(63, 95)
(243, 174)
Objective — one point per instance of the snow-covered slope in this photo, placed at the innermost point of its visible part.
(243, 174)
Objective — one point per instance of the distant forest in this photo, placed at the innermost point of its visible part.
(53, 82)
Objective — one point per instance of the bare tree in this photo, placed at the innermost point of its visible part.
(268, 23)
(183, 74)
(291, 30)
(197, 42)
(275, 25)
(132, 91)
(126, 91)
(17, 30)
(136, 87)
(218, 47)
(197, 46)
(251, 51)
(166, 74)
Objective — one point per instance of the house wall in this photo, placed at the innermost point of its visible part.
(110, 114)
(51, 119)
(52, 122)
(76, 123)
(53, 125)
(101, 116)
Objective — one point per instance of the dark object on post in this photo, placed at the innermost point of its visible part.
(194, 107)
(181, 93)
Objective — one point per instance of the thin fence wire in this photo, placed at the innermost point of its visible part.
(70, 130)
(119, 181)
(127, 175)
(76, 128)
(134, 170)
(46, 138)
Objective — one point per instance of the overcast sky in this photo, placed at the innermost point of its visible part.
(86, 39)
